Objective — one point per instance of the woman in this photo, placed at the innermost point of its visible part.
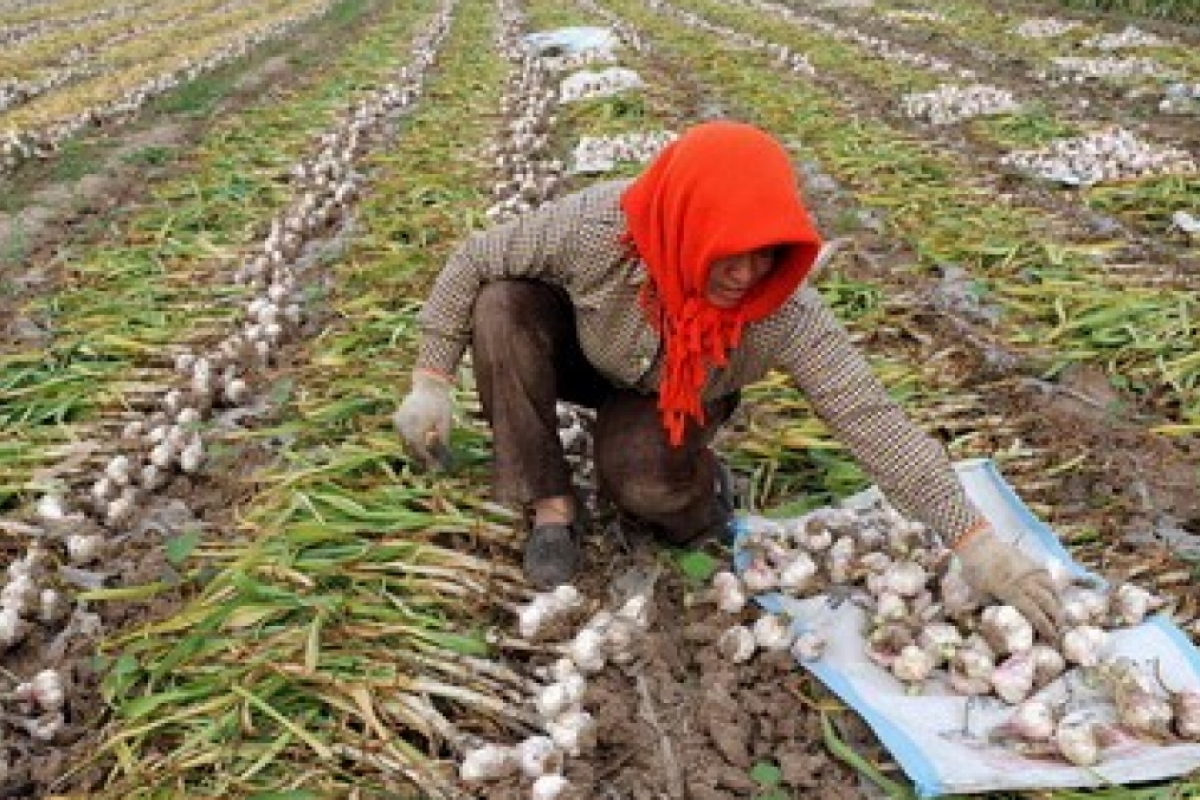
(655, 301)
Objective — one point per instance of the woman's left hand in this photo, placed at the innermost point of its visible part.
(998, 568)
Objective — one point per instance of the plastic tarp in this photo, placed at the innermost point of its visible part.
(568, 41)
(940, 739)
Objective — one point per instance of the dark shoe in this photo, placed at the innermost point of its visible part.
(553, 555)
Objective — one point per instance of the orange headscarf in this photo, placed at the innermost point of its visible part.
(721, 189)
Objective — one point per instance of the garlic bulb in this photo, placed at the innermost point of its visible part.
(759, 577)
(556, 698)
(912, 665)
(841, 560)
(1129, 604)
(551, 787)
(12, 628)
(809, 646)
(638, 610)
(1032, 720)
(1006, 630)
(772, 632)
(1078, 742)
(587, 650)
(1185, 706)
(538, 755)
(940, 639)
(85, 548)
(47, 690)
(488, 763)
(727, 589)
(737, 644)
(1048, 664)
(1013, 678)
(905, 578)
(890, 607)
(1084, 645)
(574, 732)
(797, 575)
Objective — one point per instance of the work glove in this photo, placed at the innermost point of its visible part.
(424, 420)
(998, 568)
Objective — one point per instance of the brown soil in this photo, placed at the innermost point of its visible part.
(683, 722)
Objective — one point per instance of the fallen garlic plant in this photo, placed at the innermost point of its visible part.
(925, 626)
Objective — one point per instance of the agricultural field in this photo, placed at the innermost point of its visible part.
(219, 220)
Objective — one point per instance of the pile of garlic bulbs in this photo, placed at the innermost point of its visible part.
(608, 637)
(1109, 154)
(949, 104)
(592, 84)
(1044, 28)
(925, 626)
(596, 154)
(526, 172)
(1078, 69)
(1129, 38)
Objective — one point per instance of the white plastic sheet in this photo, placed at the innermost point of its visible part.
(946, 750)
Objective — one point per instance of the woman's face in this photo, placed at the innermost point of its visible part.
(731, 278)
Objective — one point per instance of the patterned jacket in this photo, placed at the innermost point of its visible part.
(574, 243)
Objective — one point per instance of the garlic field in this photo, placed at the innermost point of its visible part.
(219, 219)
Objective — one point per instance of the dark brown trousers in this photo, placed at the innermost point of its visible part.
(527, 356)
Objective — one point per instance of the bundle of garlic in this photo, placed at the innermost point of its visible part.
(1110, 154)
(949, 104)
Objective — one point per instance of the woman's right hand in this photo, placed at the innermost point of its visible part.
(425, 418)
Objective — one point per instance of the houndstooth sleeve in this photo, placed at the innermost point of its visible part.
(537, 245)
(910, 467)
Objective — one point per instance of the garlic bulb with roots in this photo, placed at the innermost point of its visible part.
(727, 589)
(737, 644)
(1006, 630)
(556, 698)
(539, 755)
(587, 650)
(840, 560)
(1083, 606)
(488, 763)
